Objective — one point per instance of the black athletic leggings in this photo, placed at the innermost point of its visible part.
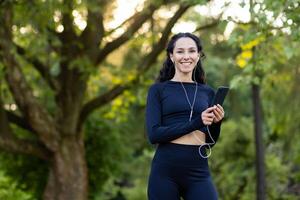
(178, 171)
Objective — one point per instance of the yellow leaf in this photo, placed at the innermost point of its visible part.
(117, 102)
(116, 80)
(110, 115)
(241, 62)
(130, 77)
(247, 54)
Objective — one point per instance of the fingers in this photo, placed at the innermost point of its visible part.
(221, 108)
(219, 113)
(208, 120)
(210, 109)
(208, 116)
(212, 114)
(218, 117)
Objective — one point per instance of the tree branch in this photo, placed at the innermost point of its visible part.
(15, 145)
(109, 32)
(68, 35)
(100, 101)
(19, 121)
(254, 23)
(38, 118)
(208, 26)
(138, 21)
(94, 31)
(146, 62)
(213, 23)
(40, 67)
(149, 59)
(92, 35)
(4, 125)
(10, 143)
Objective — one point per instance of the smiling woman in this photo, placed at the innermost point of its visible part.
(178, 118)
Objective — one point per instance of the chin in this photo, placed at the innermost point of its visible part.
(187, 70)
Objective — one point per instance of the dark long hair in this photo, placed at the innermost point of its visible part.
(167, 72)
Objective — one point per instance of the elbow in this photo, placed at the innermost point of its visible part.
(152, 135)
(152, 139)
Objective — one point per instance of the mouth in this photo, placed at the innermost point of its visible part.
(185, 63)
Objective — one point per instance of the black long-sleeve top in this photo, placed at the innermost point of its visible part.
(168, 111)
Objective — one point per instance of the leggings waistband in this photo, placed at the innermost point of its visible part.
(180, 154)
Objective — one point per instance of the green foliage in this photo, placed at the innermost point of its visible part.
(10, 191)
(26, 176)
(105, 151)
(132, 183)
(191, 2)
(83, 64)
(232, 162)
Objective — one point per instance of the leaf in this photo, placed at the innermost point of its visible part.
(289, 52)
(55, 69)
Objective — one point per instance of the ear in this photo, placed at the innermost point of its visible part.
(198, 58)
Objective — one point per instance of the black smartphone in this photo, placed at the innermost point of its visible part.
(220, 95)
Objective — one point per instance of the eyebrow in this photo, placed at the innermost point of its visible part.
(187, 48)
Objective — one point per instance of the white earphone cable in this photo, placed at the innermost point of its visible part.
(205, 143)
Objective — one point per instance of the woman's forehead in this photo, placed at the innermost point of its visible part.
(185, 43)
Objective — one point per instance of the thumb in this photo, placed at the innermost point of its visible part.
(210, 109)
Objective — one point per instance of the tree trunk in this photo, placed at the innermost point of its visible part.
(68, 177)
(259, 147)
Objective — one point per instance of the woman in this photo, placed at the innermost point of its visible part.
(180, 121)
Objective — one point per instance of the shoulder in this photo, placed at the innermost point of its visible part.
(157, 87)
(155, 90)
(207, 87)
(208, 90)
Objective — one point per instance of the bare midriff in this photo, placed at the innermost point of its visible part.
(193, 138)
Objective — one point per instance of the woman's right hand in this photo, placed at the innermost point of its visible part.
(208, 116)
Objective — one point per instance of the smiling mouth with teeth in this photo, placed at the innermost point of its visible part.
(186, 63)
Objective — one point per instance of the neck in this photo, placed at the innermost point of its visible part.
(186, 78)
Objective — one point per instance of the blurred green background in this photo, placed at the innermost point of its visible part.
(83, 67)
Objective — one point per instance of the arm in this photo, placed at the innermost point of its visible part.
(214, 130)
(158, 133)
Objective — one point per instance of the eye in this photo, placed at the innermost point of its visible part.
(179, 51)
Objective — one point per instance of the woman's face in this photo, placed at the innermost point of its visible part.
(185, 55)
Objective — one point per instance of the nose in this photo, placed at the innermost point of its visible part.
(186, 56)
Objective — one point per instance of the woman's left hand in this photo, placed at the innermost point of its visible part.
(219, 113)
